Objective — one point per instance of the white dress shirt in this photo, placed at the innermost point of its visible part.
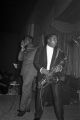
(50, 51)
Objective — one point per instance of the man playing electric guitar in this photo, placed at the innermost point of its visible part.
(49, 62)
(51, 76)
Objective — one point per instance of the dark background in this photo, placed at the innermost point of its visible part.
(15, 14)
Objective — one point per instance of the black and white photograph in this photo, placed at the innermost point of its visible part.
(40, 60)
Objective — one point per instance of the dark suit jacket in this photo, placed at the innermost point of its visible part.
(40, 59)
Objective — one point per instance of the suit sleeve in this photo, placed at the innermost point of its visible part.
(63, 62)
(61, 75)
(36, 61)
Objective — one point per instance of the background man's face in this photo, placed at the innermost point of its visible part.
(27, 40)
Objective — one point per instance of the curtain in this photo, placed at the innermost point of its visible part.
(72, 50)
(68, 45)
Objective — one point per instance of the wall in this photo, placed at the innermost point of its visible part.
(9, 46)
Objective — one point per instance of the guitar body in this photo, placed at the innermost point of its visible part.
(45, 81)
(51, 77)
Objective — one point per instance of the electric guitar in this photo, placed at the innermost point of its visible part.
(46, 79)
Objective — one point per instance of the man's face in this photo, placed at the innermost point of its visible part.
(27, 41)
(52, 41)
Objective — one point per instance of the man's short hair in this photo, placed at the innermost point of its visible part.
(29, 36)
(50, 35)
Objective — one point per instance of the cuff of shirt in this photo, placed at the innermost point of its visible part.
(41, 70)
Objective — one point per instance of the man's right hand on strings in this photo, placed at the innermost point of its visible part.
(44, 71)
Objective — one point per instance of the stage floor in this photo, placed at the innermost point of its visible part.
(9, 105)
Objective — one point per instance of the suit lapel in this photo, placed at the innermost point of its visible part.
(44, 57)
